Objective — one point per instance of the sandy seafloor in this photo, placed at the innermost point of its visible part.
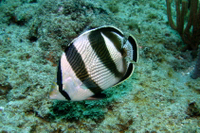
(160, 97)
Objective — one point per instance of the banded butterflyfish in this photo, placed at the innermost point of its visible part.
(94, 61)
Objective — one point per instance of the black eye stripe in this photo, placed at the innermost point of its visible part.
(59, 82)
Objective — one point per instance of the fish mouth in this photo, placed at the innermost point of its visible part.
(54, 91)
(53, 94)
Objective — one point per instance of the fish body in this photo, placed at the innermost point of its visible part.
(92, 62)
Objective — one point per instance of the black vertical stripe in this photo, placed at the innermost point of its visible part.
(59, 82)
(76, 62)
(115, 39)
(99, 46)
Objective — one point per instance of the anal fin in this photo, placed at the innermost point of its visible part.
(97, 96)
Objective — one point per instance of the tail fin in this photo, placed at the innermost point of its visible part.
(132, 55)
(132, 49)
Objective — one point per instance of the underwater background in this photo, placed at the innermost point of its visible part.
(159, 97)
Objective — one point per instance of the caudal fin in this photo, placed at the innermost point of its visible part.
(132, 55)
(132, 49)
